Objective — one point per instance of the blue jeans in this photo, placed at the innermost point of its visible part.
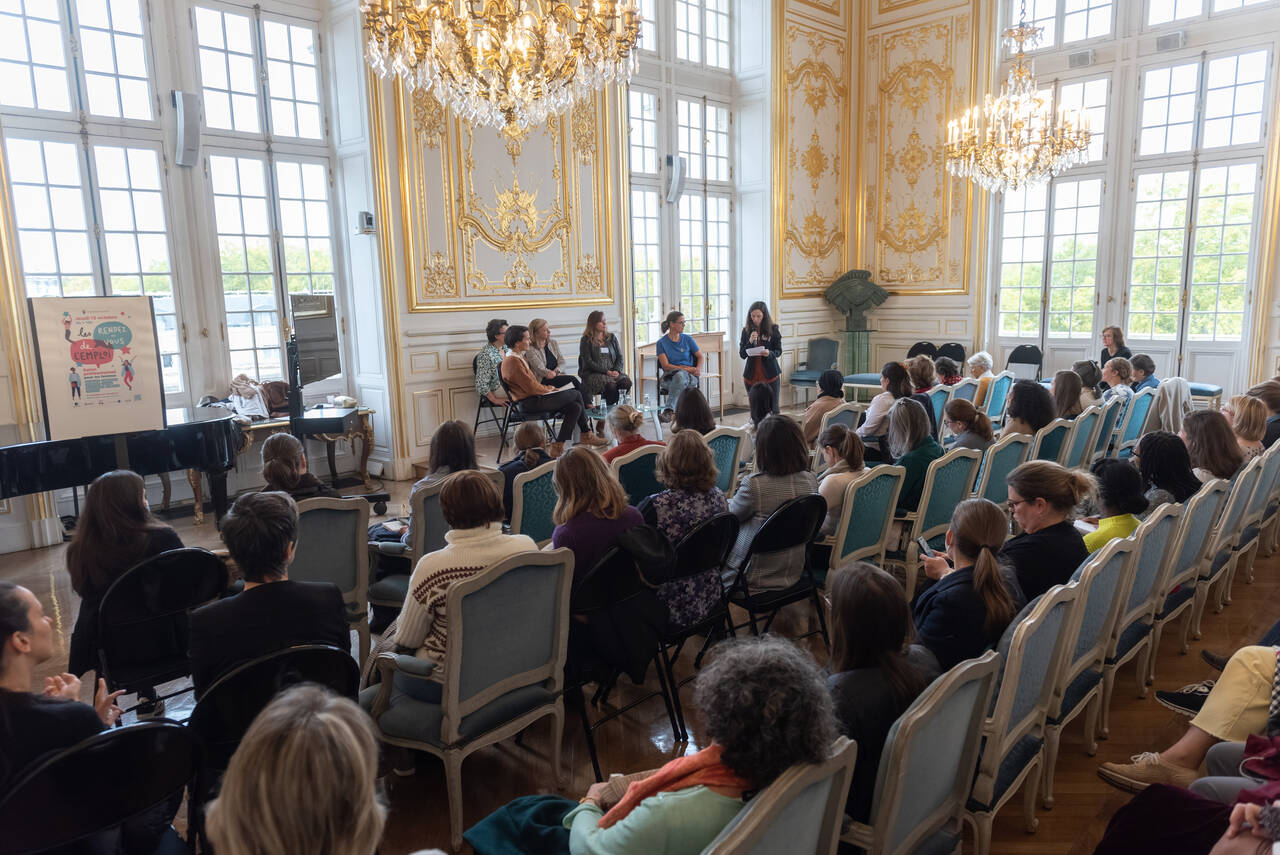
(676, 384)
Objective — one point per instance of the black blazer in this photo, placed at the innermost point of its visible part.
(949, 619)
(1124, 352)
(773, 342)
(260, 620)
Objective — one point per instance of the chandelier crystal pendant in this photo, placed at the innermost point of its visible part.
(1016, 140)
(503, 62)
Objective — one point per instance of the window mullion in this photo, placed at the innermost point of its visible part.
(97, 235)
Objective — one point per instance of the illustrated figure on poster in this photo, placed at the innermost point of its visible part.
(74, 379)
(126, 372)
(66, 325)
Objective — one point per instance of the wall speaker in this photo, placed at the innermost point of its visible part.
(1172, 41)
(186, 108)
(675, 178)
(1080, 59)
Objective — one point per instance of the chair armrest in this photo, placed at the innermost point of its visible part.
(408, 664)
(389, 663)
(826, 540)
(389, 548)
(857, 833)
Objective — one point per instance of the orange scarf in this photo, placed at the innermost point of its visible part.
(701, 769)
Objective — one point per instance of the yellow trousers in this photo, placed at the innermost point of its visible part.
(1240, 699)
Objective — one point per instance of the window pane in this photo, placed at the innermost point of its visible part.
(1074, 257)
(692, 250)
(719, 274)
(648, 25)
(1228, 5)
(717, 143)
(689, 30)
(1089, 99)
(1040, 13)
(49, 206)
(1085, 19)
(1220, 255)
(1155, 273)
(646, 269)
(115, 59)
(643, 120)
(717, 33)
(689, 136)
(33, 64)
(226, 70)
(1022, 243)
(1233, 99)
(1164, 11)
(1169, 108)
(304, 228)
(292, 81)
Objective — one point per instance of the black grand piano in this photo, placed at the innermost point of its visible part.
(203, 439)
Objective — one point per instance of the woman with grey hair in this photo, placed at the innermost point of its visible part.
(913, 448)
(980, 366)
(764, 708)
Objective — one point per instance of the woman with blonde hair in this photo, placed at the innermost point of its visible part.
(627, 422)
(968, 608)
(591, 508)
(923, 373)
(1042, 498)
(1248, 417)
(1066, 390)
(304, 779)
(547, 362)
(531, 452)
(1211, 444)
(843, 452)
(970, 425)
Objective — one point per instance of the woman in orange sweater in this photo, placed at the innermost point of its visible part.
(535, 397)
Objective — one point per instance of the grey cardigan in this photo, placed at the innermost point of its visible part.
(538, 361)
(758, 496)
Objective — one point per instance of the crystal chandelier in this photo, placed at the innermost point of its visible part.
(1016, 140)
(503, 62)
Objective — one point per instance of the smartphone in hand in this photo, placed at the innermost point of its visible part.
(925, 549)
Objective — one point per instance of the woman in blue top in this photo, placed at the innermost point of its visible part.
(680, 360)
(760, 332)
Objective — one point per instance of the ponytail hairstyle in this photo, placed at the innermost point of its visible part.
(1060, 487)
(672, 317)
(871, 627)
(626, 421)
(1066, 394)
(979, 528)
(1090, 375)
(847, 444)
(974, 420)
(899, 385)
(282, 461)
(530, 438)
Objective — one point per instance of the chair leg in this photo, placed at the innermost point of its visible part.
(667, 700)
(502, 437)
(1157, 632)
(362, 629)
(1108, 686)
(1091, 724)
(822, 621)
(1144, 657)
(557, 736)
(586, 729)
(1052, 737)
(1197, 607)
(674, 685)
(1184, 631)
(982, 833)
(453, 783)
(1030, 786)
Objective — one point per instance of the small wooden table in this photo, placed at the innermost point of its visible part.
(708, 343)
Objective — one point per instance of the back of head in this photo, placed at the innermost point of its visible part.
(759, 402)
(693, 412)
(871, 625)
(1250, 418)
(687, 463)
(780, 447)
(585, 485)
(981, 360)
(922, 371)
(493, 330)
(1066, 394)
(625, 420)
(1143, 363)
(530, 437)
(452, 445)
(1269, 394)
(258, 531)
(1119, 486)
(282, 461)
(1211, 443)
(947, 367)
(831, 382)
(111, 534)
(13, 619)
(765, 703)
(976, 421)
(1060, 487)
(832, 436)
(1163, 462)
(1031, 403)
(1090, 374)
(908, 424)
(304, 779)
(468, 499)
(897, 381)
(1123, 369)
(979, 528)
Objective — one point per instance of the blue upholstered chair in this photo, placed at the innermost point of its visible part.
(637, 471)
(967, 389)
(1079, 444)
(947, 483)
(938, 396)
(1254, 513)
(1226, 538)
(1134, 423)
(533, 499)
(333, 546)
(1102, 583)
(1006, 455)
(1209, 394)
(848, 414)
(1102, 439)
(1050, 442)
(998, 396)
(926, 768)
(504, 669)
(823, 354)
(1012, 752)
(866, 516)
(726, 447)
(801, 811)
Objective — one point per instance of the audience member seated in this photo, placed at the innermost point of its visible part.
(1269, 394)
(1174, 821)
(1144, 373)
(1120, 497)
(304, 779)
(896, 384)
(843, 452)
(534, 397)
(1066, 390)
(912, 447)
(679, 358)
(763, 708)
(1042, 497)
(453, 449)
(627, 423)
(284, 465)
(692, 411)
(923, 374)
(1235, 708)
(1090, 379)
(830, 396)
(782, 473)
(948, 370)
(115, 532)
(875, 670)
(970, 426)
(591, 509)
(1113, 347)
(273, 612)
(1030, 408)
(980, 369)
(1211, 444)
(1116, 376)
(488, 385)
(760, 331)
(473, 510)
(1248, 418)
(688, 469)
(531, 452)
(969, 606)
(760, 407)
(1165, 468)
(600, 360)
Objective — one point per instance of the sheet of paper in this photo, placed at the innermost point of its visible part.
(757, 351)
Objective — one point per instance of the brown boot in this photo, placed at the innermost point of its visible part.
(590, 438)
(555, 449)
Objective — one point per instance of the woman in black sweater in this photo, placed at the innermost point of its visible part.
(760, 332)
(284, 465)
(1042, 497)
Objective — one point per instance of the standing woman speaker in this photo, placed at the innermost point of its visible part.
(760, 345)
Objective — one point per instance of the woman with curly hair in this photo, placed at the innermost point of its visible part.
(764, 708)
(1165, 467)
(1030, 408)
(1121, 498)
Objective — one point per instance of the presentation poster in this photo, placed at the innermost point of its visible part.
(99, 365)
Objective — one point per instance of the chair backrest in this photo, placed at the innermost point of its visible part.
(966, 389)
(637, 470)
(927, 765)
(947, 483)
(1195, 534)
(533, 499)
(333, 545)
(1025, 362)
(1227, 532)
(155, 759)
(1050, 442)
(823, 354)
(1001, 458)
(1107, 428)
(998, 396)
(726, 447)
(953, 350)
(867, 515)
(427, 526)
(938, 397)
(227, 708)
(1030, 672)
(1152, 542)
(1257, 503)
(793, 523)
(928, 348)
(706, 546)
(1079, 445)
(1102, 584)
(801, 811)
(1134, 423)
(848, 414)
(508, 629)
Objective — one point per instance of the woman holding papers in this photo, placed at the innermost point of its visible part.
(760, 345)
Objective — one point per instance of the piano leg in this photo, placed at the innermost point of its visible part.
(366, 445)
(330, 447)
(218, 487)
(196, 479)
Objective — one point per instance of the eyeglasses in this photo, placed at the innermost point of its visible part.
(1013, 503)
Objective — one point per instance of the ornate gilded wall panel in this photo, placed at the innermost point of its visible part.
(513, 218)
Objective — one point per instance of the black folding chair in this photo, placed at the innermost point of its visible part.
(486, 407)
(515, 414)
(84, 793)
(928, 348)
(142, 621)
(793, 524)
(1025, 362)
(953, 350)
